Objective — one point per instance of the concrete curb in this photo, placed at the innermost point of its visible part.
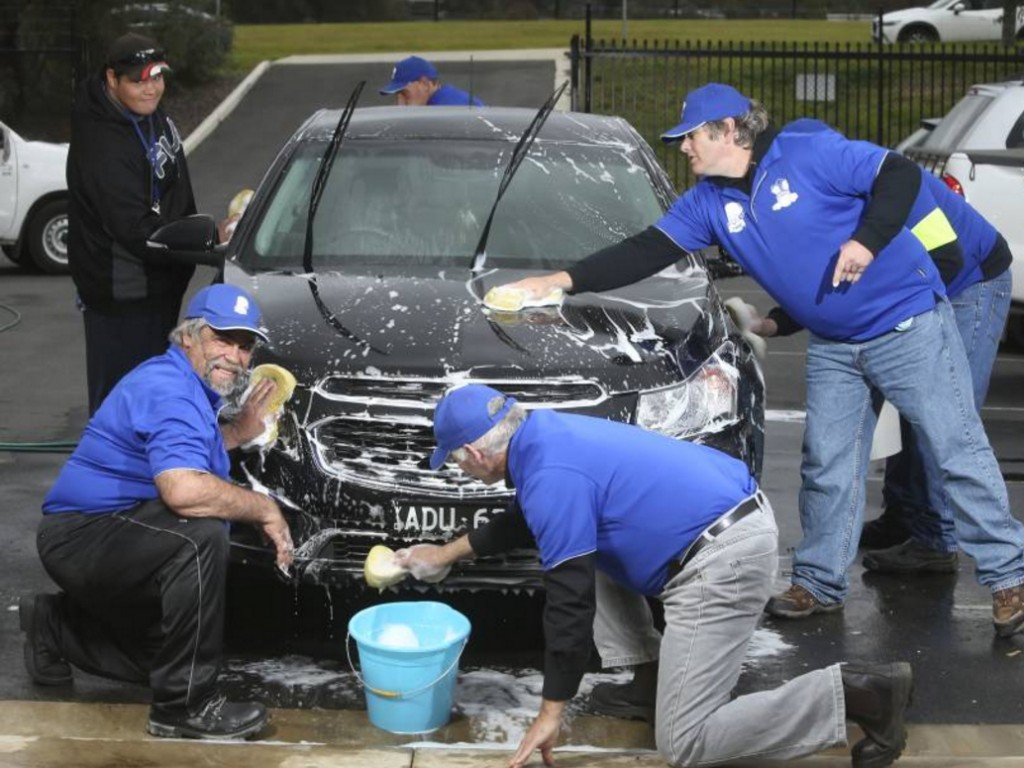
(225, 108)
(28, 726)
(511, 54)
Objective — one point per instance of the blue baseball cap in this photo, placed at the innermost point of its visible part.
(462, 417)
(227, 308)
(407, 71)
(707, 104)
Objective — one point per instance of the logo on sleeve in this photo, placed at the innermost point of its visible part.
(784, 197)
(734, 217)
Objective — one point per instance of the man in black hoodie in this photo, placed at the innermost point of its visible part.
(127, 176)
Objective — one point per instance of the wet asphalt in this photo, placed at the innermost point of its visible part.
(941, 624)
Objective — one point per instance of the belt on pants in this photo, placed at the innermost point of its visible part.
(713, 531)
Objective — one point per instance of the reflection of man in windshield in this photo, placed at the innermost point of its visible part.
(414, 81)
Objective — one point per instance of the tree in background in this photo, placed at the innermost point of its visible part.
(315, 11)
(49, 44)
(1011, 11)
(198, 44)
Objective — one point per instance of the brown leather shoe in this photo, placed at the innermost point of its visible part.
(797, 603)
(1008, 610)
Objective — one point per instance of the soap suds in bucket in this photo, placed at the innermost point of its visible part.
(398, 636)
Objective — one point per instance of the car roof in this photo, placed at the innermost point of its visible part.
(469, 123)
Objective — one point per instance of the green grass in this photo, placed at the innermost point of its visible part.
(254, 43)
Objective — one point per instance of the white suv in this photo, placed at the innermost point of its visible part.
(946, 21)
(978, 149)
(33, 202)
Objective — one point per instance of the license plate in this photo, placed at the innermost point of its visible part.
(444, 520)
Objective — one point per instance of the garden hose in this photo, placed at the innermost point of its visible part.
(57, 446)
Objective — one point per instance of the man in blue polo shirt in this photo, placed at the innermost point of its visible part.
(134, 530)
(916, 532)
(662, 518)
(819, 221)
(414, 81)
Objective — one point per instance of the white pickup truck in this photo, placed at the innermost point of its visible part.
(978, 149)
(33, 202)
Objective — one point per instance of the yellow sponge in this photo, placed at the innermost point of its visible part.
(506, 298)
(282, 393)
(380, 569)
(281, 377)
(240, 202)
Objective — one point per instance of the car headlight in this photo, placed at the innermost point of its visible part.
(705, 402)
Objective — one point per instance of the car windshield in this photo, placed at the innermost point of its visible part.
(951, 129)
(425, 202)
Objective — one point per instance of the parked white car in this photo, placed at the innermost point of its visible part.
(993, 182)
(978, 149)
(33, 202)
(946, 21)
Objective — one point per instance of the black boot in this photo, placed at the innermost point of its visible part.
(887, 530)
(218, 718)
(877, 696)
(38, 616)
(634, 700)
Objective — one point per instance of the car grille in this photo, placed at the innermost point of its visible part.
(378, 433)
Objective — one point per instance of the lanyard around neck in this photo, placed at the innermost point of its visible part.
(150, 147)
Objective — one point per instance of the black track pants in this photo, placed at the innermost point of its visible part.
(116, 343)
(144, 598)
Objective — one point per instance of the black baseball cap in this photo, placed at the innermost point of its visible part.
(137, 56)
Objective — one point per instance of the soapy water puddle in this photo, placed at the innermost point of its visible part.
(499, 702)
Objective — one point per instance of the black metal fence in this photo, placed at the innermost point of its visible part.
(868, 91)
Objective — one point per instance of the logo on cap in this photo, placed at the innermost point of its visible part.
(463, 417)
(242, 305)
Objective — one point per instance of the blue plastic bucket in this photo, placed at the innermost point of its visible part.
(409, 689)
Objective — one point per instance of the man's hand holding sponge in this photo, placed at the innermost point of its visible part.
(284, 388)
(750, 324)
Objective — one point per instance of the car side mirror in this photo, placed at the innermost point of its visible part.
(959, 7)
(192, 233)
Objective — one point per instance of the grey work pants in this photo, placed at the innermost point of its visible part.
(711, 611)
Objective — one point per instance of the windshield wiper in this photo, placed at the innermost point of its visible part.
(320, 180)
(520, 151)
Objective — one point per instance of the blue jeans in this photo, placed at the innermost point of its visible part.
(922, 370)
(912, 482)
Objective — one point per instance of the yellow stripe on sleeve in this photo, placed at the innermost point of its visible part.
(934, 230)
